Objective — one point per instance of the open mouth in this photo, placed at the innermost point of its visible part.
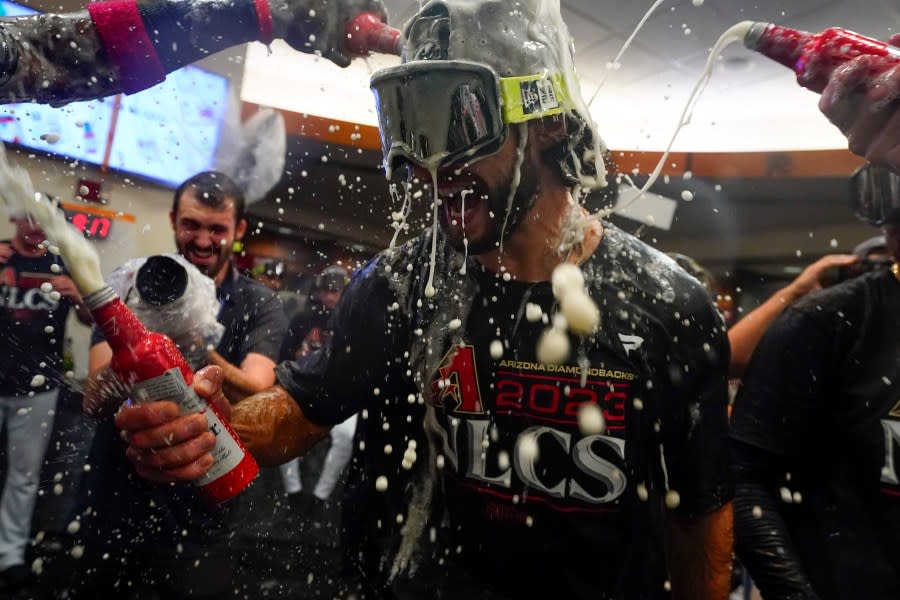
(462, 199)
(461, 206)
(202, 254)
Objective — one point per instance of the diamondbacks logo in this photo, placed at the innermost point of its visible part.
(458, 382)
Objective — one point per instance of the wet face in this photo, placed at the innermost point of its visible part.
(205, 235)
(474, 197)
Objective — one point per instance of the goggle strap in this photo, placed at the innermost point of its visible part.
(533, 96)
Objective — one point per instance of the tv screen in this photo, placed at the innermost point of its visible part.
(166, 133)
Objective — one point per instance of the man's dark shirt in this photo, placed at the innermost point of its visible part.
(27, 348)
(570, 523)
(821, 404)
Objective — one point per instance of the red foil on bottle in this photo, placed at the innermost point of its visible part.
(815, 56)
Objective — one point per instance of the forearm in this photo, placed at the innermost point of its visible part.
(699, 554)
(237, 384)
(273, 427)
(762, 540)
(117, 46)
(53, 59)
(764, 545)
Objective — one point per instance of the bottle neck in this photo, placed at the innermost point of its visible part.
(782, 44)
(120, 326)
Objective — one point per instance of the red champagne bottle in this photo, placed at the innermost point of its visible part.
(831, 48)
(150, 364)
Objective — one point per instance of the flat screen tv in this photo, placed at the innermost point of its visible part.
(166, 133)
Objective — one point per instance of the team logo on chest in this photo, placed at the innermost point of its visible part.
(456, 388)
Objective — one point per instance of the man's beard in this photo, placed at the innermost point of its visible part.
(221, 256)
(501, 225)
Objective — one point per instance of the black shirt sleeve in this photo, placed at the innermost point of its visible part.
(778, 398)
(337, 381)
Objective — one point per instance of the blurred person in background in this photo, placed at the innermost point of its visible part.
(36, 295)
(309, 332)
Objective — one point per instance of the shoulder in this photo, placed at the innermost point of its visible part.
(847, 300)
(848, 304)
(647, 278)
(253, 291)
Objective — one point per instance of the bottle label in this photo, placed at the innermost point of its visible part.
(227, 454)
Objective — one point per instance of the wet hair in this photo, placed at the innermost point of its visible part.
(213, 189)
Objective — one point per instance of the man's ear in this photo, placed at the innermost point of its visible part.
(548, 132)
(240, 230)
(172, 218)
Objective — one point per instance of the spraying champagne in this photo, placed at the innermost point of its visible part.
(828, 49)
(148, 363)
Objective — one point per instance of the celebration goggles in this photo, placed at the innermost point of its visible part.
(436, 112)
(875, 195)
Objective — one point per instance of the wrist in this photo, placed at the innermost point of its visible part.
(790, 294)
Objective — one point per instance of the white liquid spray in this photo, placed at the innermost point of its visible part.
(80, 256)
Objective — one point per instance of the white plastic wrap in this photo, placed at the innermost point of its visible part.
(252, 153)
(190, 320)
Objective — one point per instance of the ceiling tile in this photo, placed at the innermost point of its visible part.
(585, 31)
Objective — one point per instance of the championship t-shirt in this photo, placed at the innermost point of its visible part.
(822, 395)
(525, 503)
(32, 325)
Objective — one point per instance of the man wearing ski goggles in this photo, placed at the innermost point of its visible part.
(440, 112)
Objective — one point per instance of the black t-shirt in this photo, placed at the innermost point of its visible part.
(570, 523)
(28, 347)
(306, 331)
(132, 515)
(822, 396)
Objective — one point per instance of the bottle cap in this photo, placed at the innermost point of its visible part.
(161, 280)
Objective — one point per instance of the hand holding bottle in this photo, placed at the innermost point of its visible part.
(165, 447)
(320, 26)
(866, 107)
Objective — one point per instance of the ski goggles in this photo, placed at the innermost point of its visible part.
(437, 112)
(875, 195)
